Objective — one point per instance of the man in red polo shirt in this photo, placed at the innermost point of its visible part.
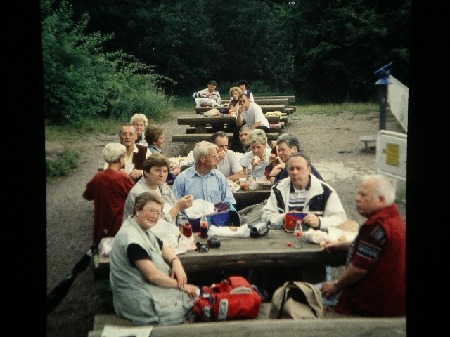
(373, 283)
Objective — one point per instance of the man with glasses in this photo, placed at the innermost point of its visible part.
(251, 113)
(202, 180)
(228, 160)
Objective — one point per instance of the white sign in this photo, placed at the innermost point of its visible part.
(391, 154)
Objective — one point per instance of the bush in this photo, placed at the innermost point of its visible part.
(62, 164)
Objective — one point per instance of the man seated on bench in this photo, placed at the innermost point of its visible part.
(286, 144)
(208, 96)
(251, 113)
(228, 160)
(202, 180)
(373, 283)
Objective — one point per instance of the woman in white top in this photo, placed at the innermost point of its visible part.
(139, 121)
(155, 170)
(258, 157)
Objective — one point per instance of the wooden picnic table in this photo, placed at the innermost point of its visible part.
(221, 123)
(269, 251)
(264, 107)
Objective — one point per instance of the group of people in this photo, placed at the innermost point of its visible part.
(139, 208)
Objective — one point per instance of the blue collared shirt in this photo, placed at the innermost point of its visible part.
(212, 187)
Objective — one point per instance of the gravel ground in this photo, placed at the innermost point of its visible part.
(331, 141)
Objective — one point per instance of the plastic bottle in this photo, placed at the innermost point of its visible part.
(298, 233)
(250, 178)
(203, 227)
(249, 173)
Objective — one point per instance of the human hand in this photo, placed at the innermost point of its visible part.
(221, 154)
(176, 169)
(185, 201)
(178, 273)
(255, 160)
(312, 220)
(134, 174)
(191, 290)
(328, 288)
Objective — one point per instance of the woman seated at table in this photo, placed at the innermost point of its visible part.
(258, 157)
(234, 95)
(148, 282)
(154, 136)
(156, 168)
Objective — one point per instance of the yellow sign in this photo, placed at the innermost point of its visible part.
(392, 154)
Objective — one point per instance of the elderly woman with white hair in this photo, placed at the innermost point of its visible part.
(258, 157)
(140, 122)
(109, 189)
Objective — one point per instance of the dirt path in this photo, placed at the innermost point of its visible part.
(331, 141)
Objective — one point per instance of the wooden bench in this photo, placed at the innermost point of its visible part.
(263, 326)
(290, 109)
(291, 98)
(369, 142)
(196, 137)
(265, 101)
(264, 108)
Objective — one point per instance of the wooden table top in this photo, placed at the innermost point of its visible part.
(269, 250)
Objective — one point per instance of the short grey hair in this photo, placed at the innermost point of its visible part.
(383, 186)
(257, 136)
(112, 152)
(202, 149)
(289, 139)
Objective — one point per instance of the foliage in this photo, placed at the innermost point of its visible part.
(323, 51)
(62, 164)
(82, 81)
(340, 44)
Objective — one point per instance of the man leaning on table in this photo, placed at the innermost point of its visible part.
(202, 180)
(301, 191)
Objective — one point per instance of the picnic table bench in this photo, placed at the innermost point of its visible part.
(291, 98)
(263, 326)
(265, 108)
(266, 101)
(201, 127)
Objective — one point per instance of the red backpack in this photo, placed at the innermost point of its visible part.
(233, 298)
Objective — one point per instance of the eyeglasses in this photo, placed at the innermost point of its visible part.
(152, 211)
(240, 102)
(216, 157)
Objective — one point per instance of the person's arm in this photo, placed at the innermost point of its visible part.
(333, 214)
(88, 193)
(350, 276)
(271, 212)
(181, 204)
(218, 99)
(236, 168)
(239, 116)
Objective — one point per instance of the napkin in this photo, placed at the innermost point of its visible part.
(199, 208)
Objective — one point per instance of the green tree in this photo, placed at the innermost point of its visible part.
(82, 81)
(340, 44)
